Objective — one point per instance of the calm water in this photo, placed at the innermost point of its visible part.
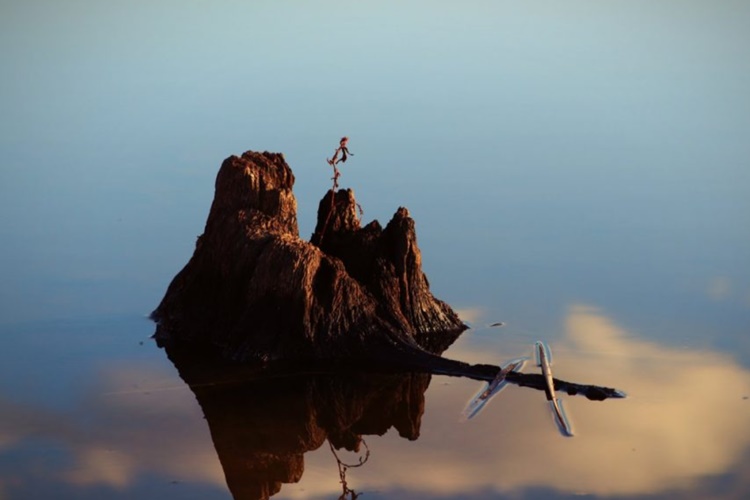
(578, 170)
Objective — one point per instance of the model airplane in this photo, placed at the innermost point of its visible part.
(488, 391)
(544, 360)
(492, 389)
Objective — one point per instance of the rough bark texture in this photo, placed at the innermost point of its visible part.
(255, 291)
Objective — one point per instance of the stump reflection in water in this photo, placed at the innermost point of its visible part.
(262, 424)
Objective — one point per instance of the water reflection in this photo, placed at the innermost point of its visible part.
(262, 426)
(683, 425)
(121, 428)
(133, 428)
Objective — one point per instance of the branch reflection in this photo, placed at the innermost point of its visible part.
(348, 493)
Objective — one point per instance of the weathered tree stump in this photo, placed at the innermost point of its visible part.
(255, 291)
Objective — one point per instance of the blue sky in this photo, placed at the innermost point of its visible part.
(554, 136)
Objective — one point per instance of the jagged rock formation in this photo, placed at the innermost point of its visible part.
(255, 290)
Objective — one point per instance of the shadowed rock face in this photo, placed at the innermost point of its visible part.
(255, 291)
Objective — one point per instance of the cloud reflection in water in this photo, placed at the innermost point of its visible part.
(138, 425)
(684, 420)
(684, 423)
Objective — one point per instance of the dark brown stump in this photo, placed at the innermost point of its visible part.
(254, 290)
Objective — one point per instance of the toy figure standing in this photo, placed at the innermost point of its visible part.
(333, 161)
(341, 149)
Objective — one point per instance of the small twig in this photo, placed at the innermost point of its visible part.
(361, 212)
(342, 150)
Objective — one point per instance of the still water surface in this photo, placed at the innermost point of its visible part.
(94, 409)
(581, 173)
